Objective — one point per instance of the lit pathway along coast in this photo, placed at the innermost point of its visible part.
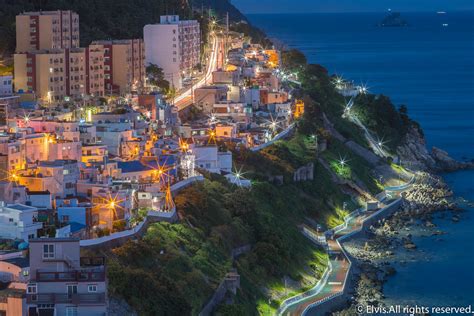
(334, 281)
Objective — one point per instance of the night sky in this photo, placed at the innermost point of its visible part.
(297, 6)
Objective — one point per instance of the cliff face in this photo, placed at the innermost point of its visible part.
(413, 151)
(414, 154)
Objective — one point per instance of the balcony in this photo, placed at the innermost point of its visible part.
(71, 276)
(92, 261)
(64, 298)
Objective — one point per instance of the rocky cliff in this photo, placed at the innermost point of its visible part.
(414, 154)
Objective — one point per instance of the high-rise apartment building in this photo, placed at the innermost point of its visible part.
(124, 65)
(58, 74)
(173, 45)
(46, 30)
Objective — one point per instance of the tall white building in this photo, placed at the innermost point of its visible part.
(173, 45)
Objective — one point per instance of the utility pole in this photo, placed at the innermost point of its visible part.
(226, 36)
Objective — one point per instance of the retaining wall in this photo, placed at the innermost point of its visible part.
(340, 300)
(230, 283)
(119, 238)
(283, 134)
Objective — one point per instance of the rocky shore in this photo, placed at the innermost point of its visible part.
(413, 150)
(391, 241)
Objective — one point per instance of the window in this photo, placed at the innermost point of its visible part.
(71, 290)
(48, 251)
(71, 311)
(31, 289)
(65, 218)
(92, 288)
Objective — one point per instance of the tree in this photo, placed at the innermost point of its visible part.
(293, 59)
(171, 93)
(156, 77)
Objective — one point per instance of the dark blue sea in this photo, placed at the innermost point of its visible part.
(430, 68)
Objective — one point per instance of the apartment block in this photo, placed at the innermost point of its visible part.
(124, 65)
(55, 75)
(46, 30)
(64, 283)
(173, 45)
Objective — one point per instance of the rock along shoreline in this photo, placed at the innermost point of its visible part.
(390, 241)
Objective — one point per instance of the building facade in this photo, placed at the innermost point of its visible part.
(173, 45)
(6, 85)
(46, 30)
(124, 65)
(64, 283)
(59, 74)
(18, 221)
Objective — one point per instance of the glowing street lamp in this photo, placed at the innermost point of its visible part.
(238, 175)
(342, 161)
(183, 145)
(212, 120)
(363, 89)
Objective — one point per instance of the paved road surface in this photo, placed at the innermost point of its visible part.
(216, 60)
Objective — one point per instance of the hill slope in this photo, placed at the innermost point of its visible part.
(107, 19)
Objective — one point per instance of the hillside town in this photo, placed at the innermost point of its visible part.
(93, 149)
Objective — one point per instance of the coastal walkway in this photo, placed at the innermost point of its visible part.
(334, 281)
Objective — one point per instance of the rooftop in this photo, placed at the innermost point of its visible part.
(21, 207)
(38, 192)
(57, 163)
(7, 292)
(22, 262)
(48, 239)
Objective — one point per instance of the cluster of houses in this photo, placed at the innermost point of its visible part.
(84, 169)
(247, 100)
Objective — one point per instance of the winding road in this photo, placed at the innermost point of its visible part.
(216, 60)
(334, 280)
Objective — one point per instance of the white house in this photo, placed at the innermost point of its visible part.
(209, 158)
(18, 221)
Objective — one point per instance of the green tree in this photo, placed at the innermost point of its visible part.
(156, 77)
(293, 59)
